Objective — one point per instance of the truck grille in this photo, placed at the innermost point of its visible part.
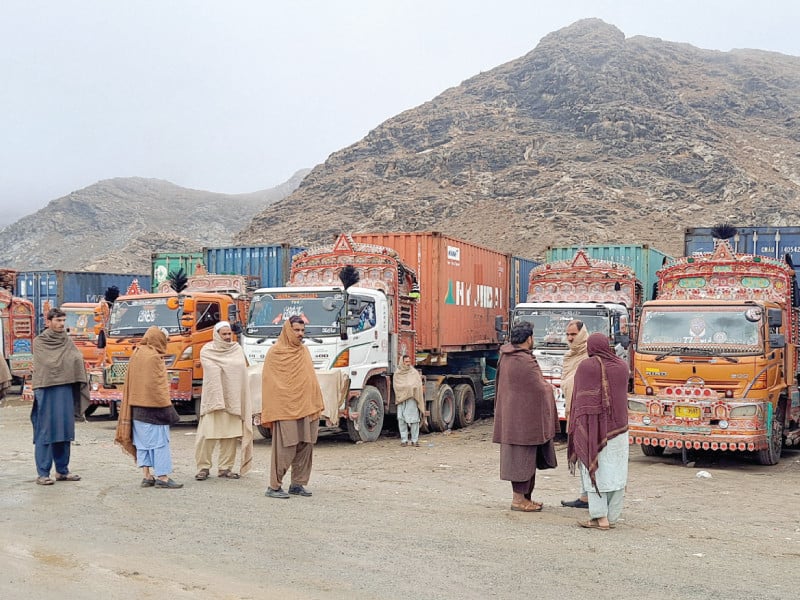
(115, 374)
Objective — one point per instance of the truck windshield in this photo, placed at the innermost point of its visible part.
(550, 324)
(319, 310)
(135, 316)
(80, 323)
(734, 329)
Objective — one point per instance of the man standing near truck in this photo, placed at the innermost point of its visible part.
(60, 391)
(525, 418)
(577, 335)
(291, 404)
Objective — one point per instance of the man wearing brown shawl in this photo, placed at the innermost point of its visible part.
(525, 418)
(577, 335)
(291, 403)
(598, 422)
(60, 393)
(225, 406)
(147, 412)
(407, 384)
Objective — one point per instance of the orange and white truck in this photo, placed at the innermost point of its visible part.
(186, 317)
(716, 364)
(16, 334)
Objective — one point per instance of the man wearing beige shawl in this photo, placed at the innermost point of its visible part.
(147, 412)
(291, 404)
(407, 385)
(5, 378)
(60, 393)
(577, 335)
(225, 407)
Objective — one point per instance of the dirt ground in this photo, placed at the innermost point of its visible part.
(388, 522)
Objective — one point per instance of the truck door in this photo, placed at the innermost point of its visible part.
(369, 339)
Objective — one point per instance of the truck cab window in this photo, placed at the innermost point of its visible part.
(208, 315)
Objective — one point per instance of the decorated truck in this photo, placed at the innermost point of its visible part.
(80, 327)
(16, 328)
(186, 310)
(602, 294)
(716, 363)
(427, 295)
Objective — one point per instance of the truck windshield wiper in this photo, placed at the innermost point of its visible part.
(689, 351)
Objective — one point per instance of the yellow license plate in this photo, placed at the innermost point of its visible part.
(687, 412)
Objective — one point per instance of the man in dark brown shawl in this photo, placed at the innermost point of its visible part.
(598, 422)
(60, 393)
(525, 418)
(291, 404)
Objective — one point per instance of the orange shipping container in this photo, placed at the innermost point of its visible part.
(463, 287)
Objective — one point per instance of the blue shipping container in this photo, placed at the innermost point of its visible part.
(644, 260)
(58, 287)
(520, 275)
(774, 242)
(265, 266)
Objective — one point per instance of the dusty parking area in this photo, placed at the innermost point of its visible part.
(388, 522)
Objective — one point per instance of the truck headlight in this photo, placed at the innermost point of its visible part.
(744, 411)
(636, 406)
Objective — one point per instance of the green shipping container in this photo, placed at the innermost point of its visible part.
(162, 263)
(644, 260)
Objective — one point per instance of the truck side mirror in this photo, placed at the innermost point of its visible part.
(233, 312)
(774, 317)
(498, 323)
(777, 340)
(622, 339)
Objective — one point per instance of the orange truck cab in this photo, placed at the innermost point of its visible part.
(187, 318)
(716, 364)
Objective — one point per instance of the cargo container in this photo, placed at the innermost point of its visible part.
(772, 242)
(262, 266)
(58, 287)
(427, 296)
(644, 260)
(520, 274)
(163, 263)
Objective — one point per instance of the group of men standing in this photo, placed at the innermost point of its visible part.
(595, 384)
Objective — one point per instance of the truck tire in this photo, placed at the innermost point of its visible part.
(771, 455)
(368, 425)
(649, 450)
(443, 409)
(465, 405)
(265, 432)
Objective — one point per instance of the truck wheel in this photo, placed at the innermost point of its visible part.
(443, 409)
(649, 450)
(771, 455)
(368, 425)
(265, 432)
(113, 410)
(465, 405)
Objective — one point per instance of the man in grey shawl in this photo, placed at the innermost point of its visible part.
(60, 393)
(225, 407)
(407, 384)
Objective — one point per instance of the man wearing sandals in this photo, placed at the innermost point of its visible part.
(60, 391)
(225, 407)
(597, 444)
(525, 418)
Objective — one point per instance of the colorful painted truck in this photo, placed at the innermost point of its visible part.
(422, 294)
(188, 319)
(602, 294)
(716, 364)
(16, 328)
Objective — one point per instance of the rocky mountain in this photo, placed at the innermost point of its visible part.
(116, 224)
(592, 137)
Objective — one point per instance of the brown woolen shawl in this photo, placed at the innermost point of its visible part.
(57, 361)
(407, 383)
(289, 386)
(146, 384)
(599, 409)
(525, 409)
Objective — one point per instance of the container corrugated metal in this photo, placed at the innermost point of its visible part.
(57, 287)
(644, 260)
(163, 263)
(520, 274)
(774, 242)
(263, 266)
(462, 288)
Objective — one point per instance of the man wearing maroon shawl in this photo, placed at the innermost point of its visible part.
(597, 424)
(525, 418)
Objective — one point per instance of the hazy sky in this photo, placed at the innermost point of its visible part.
(236, 96)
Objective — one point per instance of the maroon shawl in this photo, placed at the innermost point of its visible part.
(524, 408)
(599, 409)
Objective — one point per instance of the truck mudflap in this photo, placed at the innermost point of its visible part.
(712, 424)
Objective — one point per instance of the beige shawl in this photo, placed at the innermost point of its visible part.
(289, 386)
(407, 384)
(5, 377)
(573, 357)
(225, 387)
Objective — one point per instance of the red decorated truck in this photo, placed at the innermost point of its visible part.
(716, 364)
(16, 328)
